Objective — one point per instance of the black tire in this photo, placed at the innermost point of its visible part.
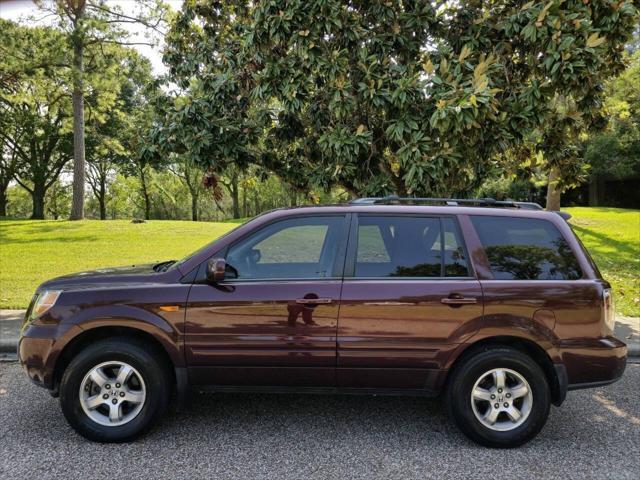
(463, 379)
(137, 354)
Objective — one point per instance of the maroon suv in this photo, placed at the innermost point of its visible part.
(495, 305)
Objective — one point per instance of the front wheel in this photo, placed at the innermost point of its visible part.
(114, 390)
(499, 397)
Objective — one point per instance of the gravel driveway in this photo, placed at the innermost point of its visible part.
(596, 434)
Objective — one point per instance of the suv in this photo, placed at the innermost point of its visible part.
(495, 305)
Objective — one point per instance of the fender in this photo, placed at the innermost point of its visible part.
(129, 316)
(503, 325)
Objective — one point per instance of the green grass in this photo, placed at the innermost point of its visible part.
(612, 236)
(32, 251)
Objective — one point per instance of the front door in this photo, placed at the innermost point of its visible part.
(273, 320)
(408, 293)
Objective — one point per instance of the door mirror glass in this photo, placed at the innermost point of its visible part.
(215, 270)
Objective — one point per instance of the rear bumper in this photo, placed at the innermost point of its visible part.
(593, 362)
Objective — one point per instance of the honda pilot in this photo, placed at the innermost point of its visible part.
(496, 307)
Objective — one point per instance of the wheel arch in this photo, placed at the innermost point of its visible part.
(553, 371)
(88, 336)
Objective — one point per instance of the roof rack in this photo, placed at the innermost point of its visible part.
(453, 202)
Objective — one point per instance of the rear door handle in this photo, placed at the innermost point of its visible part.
(459, 300)
(313, 301)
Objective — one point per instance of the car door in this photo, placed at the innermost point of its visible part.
(273, 320)
(407, 296)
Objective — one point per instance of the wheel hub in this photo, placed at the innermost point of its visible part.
(501, 399)
(112, 393)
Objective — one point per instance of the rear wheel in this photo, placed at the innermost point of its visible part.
(114, 390)
(499, 397)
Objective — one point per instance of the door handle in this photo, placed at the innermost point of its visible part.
(459, 300)
(313, 301)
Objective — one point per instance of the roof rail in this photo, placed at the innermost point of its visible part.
(453, 202)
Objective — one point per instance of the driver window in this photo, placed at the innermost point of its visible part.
(295, 248)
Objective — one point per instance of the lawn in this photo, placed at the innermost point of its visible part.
(612, 236)
(32, 251)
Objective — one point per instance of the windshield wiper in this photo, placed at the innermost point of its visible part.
(163, 266)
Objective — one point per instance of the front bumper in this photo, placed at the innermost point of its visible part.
(39, 348)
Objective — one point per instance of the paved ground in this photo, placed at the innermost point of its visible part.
(595, 434)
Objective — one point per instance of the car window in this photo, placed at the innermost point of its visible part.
(294, 248)
(526, 249)
(408, 246)
(455, 262)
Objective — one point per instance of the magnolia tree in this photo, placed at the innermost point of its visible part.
(386, 96)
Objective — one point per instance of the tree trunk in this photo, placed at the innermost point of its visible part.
(37, 196)
(235, 196)
(593, 191)
(293, 197)
(103, 206)
(77, 206)
(194, 206)
(145, 195)
(245, 213)
(102, 197)
(256, 202)
(3, 200)
(553, 192)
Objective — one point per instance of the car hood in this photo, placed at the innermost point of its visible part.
(112, 275)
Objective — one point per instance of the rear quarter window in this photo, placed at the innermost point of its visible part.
(526, 249)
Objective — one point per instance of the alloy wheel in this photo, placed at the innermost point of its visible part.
(501, 399)
(112, 393)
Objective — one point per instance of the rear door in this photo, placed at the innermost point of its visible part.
(407, 294)
(273, 321)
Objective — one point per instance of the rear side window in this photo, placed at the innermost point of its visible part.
(409, 247)
(526, 249)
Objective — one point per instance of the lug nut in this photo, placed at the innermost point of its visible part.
(493, 397)
(508, 395)
(497, 405)
(114, 401)
(122, 394)
(117, 385)
(506, 405)
(499, 390)
(107, 386)
(105, 396)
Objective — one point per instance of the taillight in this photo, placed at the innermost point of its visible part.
(608, 308)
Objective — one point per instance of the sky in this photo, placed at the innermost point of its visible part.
(15, 9)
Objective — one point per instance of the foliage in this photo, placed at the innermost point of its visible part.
(34, 107)
(382, 96)
(616, 151)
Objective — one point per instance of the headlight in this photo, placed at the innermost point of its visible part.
(45, 301)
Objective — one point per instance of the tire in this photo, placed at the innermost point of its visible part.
(141, 401)
(479, 373)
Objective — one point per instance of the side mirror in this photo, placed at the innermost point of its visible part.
(216, 268)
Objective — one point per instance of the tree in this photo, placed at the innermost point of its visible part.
(615, 152)
(192, 175)
(34, 108)
(110, 131)
(383, 96)
(8, 168)
(87, 24)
